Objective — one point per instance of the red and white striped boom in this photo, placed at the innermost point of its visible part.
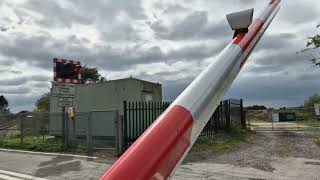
(162, 147)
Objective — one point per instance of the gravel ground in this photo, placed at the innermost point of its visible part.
(264, 148)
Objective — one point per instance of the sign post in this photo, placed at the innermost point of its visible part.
(65, 92)
(67, 73)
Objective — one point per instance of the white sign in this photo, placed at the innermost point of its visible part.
(65, 102)
(63, 89)
(275, 117)
(317, 109)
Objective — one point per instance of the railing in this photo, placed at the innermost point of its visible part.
(86, 133)
(138, 116)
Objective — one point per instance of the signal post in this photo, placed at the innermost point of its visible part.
(66, 75)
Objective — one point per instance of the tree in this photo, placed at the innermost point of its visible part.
(313, 43)
(91, 75)
(256, 107)
(315, 99)
(43, 103)
(3, 104)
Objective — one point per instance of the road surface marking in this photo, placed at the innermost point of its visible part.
(49, 154)
(9, 175)
(4, 177)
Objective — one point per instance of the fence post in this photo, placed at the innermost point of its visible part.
(243, 120)
(220, 115)
(247, 118)
(64, 128)
(227, 113)
(89, 135)
(125, 136)
(21, 128)
(216, 120)
(120, 134)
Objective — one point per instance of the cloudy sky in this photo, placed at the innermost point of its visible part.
(166, 41)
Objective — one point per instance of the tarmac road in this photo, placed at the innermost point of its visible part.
(269, 155)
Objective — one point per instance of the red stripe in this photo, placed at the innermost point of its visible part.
(275, 2)
(155, 154)
(244, 39)
(272, 1)
(248, 52)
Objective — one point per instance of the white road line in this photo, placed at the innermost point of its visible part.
(4, 177)
(48, 154)
(9, 175)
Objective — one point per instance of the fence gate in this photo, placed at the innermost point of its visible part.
(293, 119)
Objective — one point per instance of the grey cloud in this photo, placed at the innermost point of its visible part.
(41, 85)
(39, 78)
(102, 14)
(18, 102)
(54, 14)
(4, 62)
(195, 26)
(39, 50)
(282, 58)
(109, 9)
(10, 71)
(298, 12)
(274, 91)
(13, 81)
(277, 41)
(120, 32)
(14, 90)
(173, 9)
(73, 39)
(4, 29)
(22, 80)
(275, 54)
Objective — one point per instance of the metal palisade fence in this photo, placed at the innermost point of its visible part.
(138, 116)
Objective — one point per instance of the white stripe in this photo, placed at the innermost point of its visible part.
(267, 12)
(19, 175)
(204, 94)
(4, 177)
(49, 154)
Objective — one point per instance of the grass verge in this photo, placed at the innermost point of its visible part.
(52, 144)
(311, 122)
(222, 142)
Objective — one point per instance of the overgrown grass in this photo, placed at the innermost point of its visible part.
(47, 144)
(317, 142)
(222, 142)
(311, 122)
